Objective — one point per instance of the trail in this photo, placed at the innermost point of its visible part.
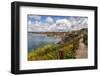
(81, 52)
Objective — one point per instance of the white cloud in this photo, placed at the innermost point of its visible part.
(63, 22)
(72, 21)
(78, 23)
(61, 25)
(37, 18)
(52, 28)
(49, 20)
(83, 23)
(29, 22)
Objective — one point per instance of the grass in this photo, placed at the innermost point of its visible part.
(51, 51)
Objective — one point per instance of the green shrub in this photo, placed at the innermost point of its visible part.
(51, 51)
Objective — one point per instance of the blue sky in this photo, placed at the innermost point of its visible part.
(56, 23)
(44, 17)
(55, 18)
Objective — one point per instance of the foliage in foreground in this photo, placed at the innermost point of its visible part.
(51, 51)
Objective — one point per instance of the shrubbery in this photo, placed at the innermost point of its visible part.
(51, 51)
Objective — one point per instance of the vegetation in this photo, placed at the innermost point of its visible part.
(85, 38)
(51, 51)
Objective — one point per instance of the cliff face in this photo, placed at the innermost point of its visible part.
(73, 45)
(65, 37)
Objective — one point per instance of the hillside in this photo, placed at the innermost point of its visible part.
(65, 49)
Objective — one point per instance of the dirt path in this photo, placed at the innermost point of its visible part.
(81, 52)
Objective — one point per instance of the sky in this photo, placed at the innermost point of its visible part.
(50, 23)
